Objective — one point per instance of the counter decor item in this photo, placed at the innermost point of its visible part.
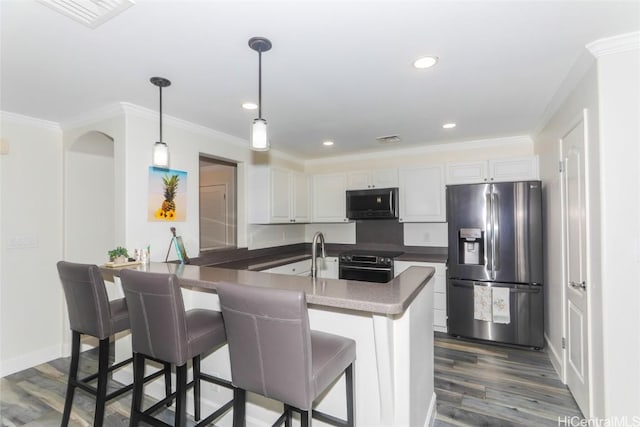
(118, 255)
(178, 244)
(167, 195)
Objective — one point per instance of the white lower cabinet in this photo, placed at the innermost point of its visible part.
(327, 269)
(439, 290)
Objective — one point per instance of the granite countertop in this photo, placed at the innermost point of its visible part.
(390, 298)
(269, 258)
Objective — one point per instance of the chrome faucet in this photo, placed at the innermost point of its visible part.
(314, 253)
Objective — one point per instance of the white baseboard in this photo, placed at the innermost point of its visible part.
(555, 358)
(29, 360)
(432, 412)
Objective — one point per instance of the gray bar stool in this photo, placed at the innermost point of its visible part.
(162, 329)
(91, 313)
(274, 353)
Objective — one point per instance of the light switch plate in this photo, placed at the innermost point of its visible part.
(23, 241)
(4, 146)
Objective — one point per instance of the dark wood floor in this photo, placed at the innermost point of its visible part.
(488, 385)
(476, 385)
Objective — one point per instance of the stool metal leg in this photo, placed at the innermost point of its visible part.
(138, 385)
(348, 376)
(239, 403)
(181, 396)
(167, 381)
(73, 376)
(305, 418)
(287, 413)
(103, 371)
(196, 387)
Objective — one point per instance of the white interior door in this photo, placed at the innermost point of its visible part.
(214, 216)
(576, 292)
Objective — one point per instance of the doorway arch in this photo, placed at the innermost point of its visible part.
(89, 225)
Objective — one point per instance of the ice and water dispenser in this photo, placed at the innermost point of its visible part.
(471, 246)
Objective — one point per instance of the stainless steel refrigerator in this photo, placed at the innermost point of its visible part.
(495, 283)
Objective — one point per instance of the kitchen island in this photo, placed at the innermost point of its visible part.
(392, 324)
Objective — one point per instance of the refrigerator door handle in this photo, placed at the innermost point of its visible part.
(495, 244)
(489, 234)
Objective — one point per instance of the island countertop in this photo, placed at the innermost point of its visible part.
(391, 298)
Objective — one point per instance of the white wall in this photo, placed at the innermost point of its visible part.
(610, 91)
(619, 95)
(31, 301)
(583, 96)
(463, 151)
(186, 142)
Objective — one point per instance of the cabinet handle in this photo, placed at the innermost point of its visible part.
(492, 179)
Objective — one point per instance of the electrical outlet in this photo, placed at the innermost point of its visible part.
(4, 146)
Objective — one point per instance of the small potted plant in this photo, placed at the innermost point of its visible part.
(118, 255)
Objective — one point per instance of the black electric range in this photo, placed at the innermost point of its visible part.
(367, 265)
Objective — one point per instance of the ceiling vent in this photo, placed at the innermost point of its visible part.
(90, 13)
(389, 139)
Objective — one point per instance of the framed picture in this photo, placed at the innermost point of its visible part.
(167, 195)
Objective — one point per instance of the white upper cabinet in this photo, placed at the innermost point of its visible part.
(422, 194)
(329, 198)
(499, 170)
(362, 180)
(277, 196)
(301, 193)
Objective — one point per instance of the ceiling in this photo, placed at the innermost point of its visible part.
(339, 70)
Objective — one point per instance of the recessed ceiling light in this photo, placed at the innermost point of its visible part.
(425, 62)
(327, 143)
(249, 106)
(449, 125)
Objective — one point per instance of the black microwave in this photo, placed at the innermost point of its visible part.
(379, 203)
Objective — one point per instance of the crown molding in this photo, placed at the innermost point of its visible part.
(28, 120)
(146, 113)
(615, 44)
(425, 149)
(103, 113)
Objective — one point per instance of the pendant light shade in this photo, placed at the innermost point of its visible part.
(259, 137)
(160, 155)
(259, 134)
(160, 149)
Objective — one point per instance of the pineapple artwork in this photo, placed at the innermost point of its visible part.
(168, 209)
(167, 201)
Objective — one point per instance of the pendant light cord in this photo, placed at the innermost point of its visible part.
(160, 113)
(260, 84)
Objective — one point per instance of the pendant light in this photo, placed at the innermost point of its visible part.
(160, 149)
(259, 135)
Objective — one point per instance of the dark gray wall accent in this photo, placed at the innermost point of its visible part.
(380, 231)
